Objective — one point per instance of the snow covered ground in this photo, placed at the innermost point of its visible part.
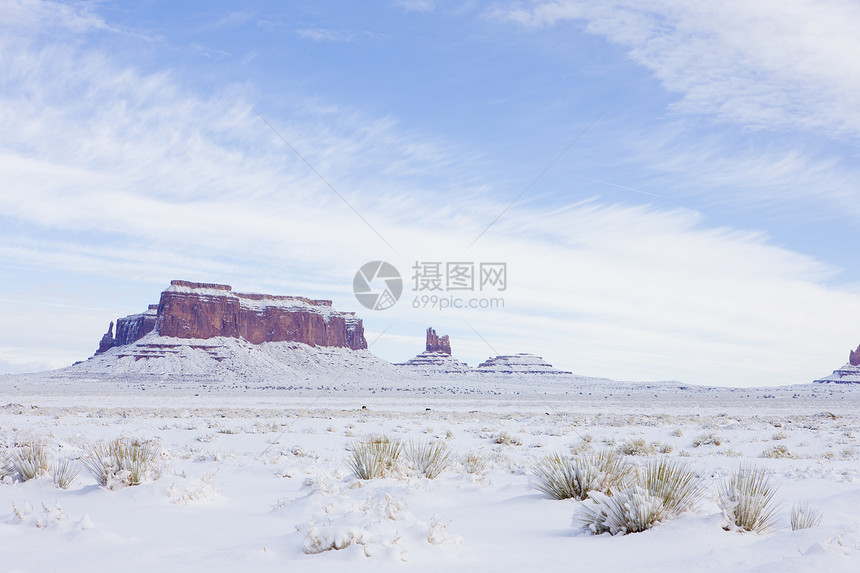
(257, 480)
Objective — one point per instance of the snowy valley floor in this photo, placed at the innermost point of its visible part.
(253, 481)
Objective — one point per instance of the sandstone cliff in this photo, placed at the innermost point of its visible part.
(201, 311)
(854, 357)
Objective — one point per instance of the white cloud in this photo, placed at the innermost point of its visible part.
(29, 17)
(325, 35)
(764, 64)
(417, 5)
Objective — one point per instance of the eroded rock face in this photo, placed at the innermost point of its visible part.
(854, 357)
(201, 310)
(437, 343)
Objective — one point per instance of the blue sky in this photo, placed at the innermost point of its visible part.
(702, 227)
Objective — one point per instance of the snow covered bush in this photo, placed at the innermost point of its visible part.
(505, 439)
(776, 452)
(64, 472)
(630, 510)
(637, 447)
(123, 462)
(474, 464)
(747, 500)
(29, 461)
(663, 489)
(429, 459)
(575, 477)
(375, 457)
(804, 516)
(707, 440)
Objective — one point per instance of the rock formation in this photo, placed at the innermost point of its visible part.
(437, 343)
(430, 363)
(518, 364)
(202, 311)
(436, 358)
(108, 341)
(848, 374)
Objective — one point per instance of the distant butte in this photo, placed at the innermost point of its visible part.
(201, 311)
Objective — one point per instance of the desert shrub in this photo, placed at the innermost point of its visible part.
(673, 482)
(780, 451)
(30, 461)
(747, 500)
(575, 477)
(123, 462)
(429, 459)
(804, 516)
(637, 447)
(663, 489)
(630, 510)
(504, 438)
(707, 440)
(64, 472)
(474, 464)
(375, 457)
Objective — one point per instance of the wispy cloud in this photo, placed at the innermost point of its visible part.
(766, 64)
(417, 5)
(325, 35)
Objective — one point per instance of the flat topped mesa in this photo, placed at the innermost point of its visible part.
(437, 343)
(206, 310)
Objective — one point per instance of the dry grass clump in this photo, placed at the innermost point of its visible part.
(707, 440)
(576, 477)
(637, 447)
(429, 459)
(474, 464)
(505, 439)
(747, 500)
(780, 451)
(29, 461)
(375, 457)
(662, 490)
(64, 472)
(804, 516)
(123, 462)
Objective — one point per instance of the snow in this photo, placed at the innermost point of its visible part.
(521, 363)
(848, 374)
(256, 479)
